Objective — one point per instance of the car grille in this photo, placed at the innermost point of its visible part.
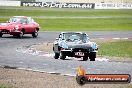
(80, 50)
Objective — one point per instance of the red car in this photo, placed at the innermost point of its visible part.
(20, 25)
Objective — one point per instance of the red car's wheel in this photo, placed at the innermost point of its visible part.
(21, 34)
(1, 34)
(35, 34)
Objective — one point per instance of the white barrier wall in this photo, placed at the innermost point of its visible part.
(10, 3)
(92, 1)
(113, 5)
(69, 5)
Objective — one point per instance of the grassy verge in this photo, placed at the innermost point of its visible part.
(62, 12)
(4, 86)
(85, 24)
(116, 49)
(83, 19)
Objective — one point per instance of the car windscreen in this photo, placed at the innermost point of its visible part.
(71, 37)
(18, 19)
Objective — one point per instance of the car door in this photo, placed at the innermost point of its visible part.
(26, 25)
(31, 24)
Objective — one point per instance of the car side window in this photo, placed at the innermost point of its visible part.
(85, 38)
(30, 20)
(24, 20)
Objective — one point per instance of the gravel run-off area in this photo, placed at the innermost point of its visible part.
(29, 79)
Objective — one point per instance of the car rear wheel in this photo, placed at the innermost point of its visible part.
(92, 56)
(1, 34)
(35, 34)
(56, 55)
(62, 56)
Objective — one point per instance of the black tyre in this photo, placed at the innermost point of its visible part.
(92, 56)
(56, 55)
(62, 56)
(14, 35)
(35, 34)
(85, 58)
(21, 34)
(81, 80)
(1, 34)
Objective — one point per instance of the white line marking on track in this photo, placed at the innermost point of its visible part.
(51, 72)
(101, 59)
(36, 70)
(29, 69)
(124, 38)
(21, 68)
(116, 38)
(72, 75)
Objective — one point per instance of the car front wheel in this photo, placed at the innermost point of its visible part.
(85, 58)
(92, 56)
(35, 34)
(1, 34)
(56, 55)
(62, 56)
(21, 34)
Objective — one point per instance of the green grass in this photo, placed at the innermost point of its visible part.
(85, 24)
(63, 12)
(4, 86)
(121, 19)
(116, 49)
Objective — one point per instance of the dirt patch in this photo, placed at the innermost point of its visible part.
(44, 47)
(29, 79)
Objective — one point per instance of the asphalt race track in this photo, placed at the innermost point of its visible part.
(10, 57)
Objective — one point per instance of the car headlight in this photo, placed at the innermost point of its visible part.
(94, 46)
(64, 45)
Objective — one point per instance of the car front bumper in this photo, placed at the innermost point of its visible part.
(78, 52)
(12, 32)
